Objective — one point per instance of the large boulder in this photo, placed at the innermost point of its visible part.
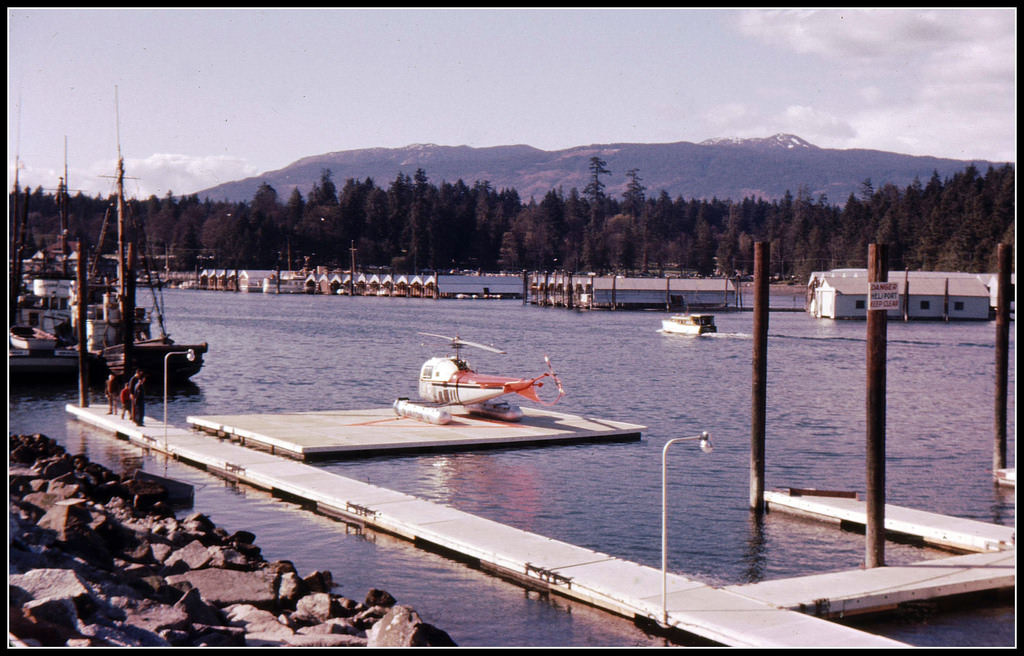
(402, 627)
(194, 554)
(318, 607)
(52, 584)
(223, 587)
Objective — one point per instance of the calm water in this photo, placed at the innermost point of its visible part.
(299, 353)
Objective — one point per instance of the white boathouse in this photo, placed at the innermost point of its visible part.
(935, 295)
(479, 286)
(590, 291)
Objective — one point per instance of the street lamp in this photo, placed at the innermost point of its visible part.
(705, 446)
(191, 355)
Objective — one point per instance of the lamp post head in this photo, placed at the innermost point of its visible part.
(191, 355)
(705, 442)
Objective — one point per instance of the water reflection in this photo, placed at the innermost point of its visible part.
(755, 557)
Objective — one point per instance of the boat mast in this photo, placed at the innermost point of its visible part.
(121, 258)
(16, 243)
(125, 259)
(62, 201)
(120, 207)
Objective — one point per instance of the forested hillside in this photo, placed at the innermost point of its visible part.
(412, 224)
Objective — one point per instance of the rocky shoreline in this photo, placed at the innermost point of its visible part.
(99, 559)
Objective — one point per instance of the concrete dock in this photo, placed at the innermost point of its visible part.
(350, 433)
(942, 531)
(770, 614)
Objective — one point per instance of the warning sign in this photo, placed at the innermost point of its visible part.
(883, 296)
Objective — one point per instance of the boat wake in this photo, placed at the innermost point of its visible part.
(705, 335)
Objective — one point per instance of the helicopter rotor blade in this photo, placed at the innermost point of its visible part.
(457, 342)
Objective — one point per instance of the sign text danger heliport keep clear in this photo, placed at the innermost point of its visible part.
(883, 296)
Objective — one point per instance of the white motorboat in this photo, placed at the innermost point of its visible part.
(689, 324)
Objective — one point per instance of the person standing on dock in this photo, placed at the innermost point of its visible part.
(113, 394)
(126, 399)
(139, 398)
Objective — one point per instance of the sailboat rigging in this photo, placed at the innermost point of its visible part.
(117, 329)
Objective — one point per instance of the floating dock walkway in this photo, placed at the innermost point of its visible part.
(770, 614)
(942, 531)
(350, 433)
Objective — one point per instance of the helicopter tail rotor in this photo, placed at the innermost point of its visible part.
(529, 387)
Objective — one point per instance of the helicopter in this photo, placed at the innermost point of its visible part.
(449, 381)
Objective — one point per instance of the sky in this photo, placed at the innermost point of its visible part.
(192, 98)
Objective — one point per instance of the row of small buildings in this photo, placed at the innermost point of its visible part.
(934, 295)
(835, 294)
(269, 281)
(549, 289)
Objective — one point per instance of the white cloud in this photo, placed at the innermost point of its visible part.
(729, 116)
(922, 82)
(801, 120)
(739, 120)
(873, 34)
(178, 174)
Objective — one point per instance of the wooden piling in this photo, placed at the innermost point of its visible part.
(1002, 354)
(762, 257)
(128, 311)
(878, 271)
(82, 298)
(945, 301)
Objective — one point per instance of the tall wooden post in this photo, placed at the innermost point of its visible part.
(1002, 354)
(945, 301)
(128, 312)
(82, 299)
(876, 354)
(762, 258)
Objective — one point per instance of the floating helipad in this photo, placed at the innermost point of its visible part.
(350, 433)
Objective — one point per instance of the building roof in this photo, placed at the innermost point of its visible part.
(919, 286)
(476, 284)
(658, 284)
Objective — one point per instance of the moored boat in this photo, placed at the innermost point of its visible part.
(35, 352)
(689, 324)
(30, 338)
(150, 355)
(58, 363)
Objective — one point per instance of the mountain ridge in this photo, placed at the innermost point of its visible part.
(723, 168)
